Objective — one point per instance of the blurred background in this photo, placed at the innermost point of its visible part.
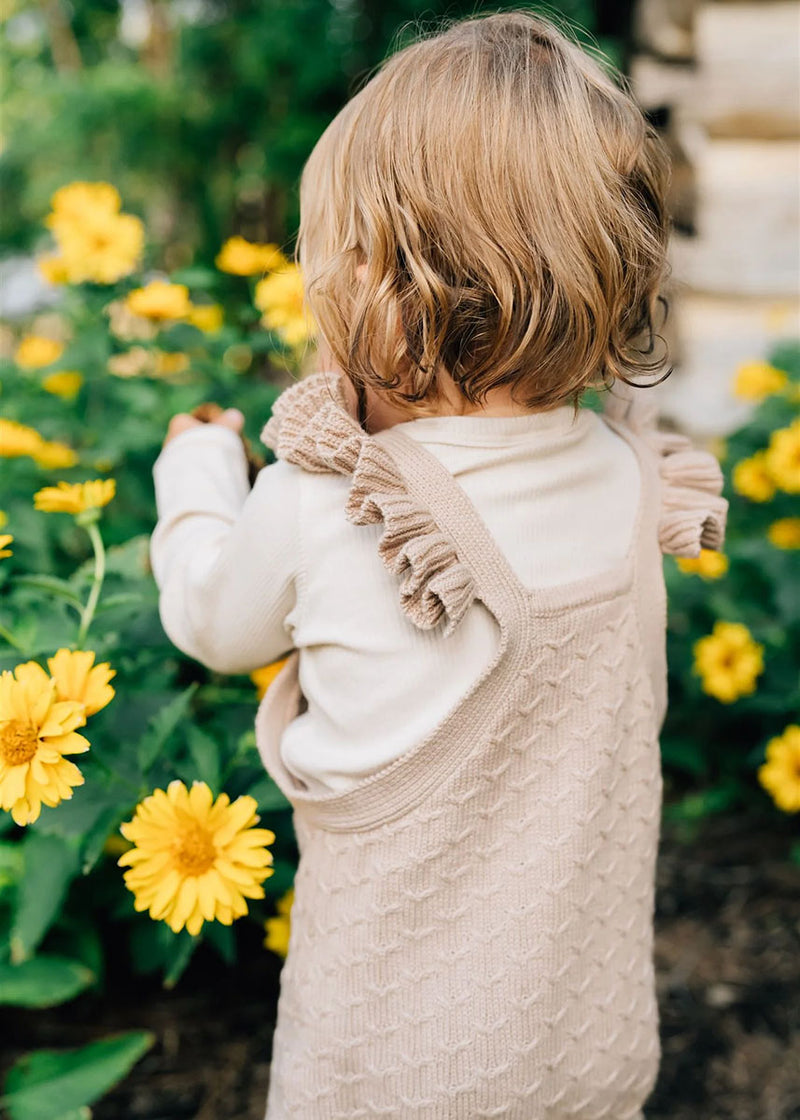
(149, 158)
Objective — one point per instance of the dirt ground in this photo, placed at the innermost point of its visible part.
(728, 960)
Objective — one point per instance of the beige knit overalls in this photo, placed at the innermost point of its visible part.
(472, 929)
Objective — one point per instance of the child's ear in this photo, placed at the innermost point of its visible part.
(361, 273)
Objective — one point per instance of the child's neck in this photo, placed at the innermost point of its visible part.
(382, 414)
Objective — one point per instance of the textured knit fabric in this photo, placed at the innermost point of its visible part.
(245, 576)
(472, 925)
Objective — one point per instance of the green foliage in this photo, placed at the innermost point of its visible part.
(59, 1084)
(204, 125)
(705, 742)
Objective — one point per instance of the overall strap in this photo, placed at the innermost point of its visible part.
(497, 585)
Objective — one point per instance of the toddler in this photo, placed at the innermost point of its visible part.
(465, 569)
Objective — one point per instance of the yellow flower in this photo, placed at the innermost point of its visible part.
(280, 298)
(728, 661)
(127, 326)
(756, 380)
(709, 564)
(75, 201)
(55, 456)
(248, 258)
(3, 518)
(101, 248)
(263, 678)
(206, 317)
(780, 774)
(34, 351)
(75, 497)
(753, 479)
(785, 533)
(279, 927)
(169, 362)
(65, 384)
(36, 731)
(132, 363)
(195, 859)
(18, 439)
(78, 679)
(159, 300)
(783, 457)
(5, 541)
(54, 269)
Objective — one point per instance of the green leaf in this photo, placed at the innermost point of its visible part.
(161, 727)
(44, 981)
(181, 952)
(12, 864)
(205, 756)
(53, 586)
(50, 866)
(49, 1084)
(268, 795)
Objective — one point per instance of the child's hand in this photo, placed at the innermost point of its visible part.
(211, 414)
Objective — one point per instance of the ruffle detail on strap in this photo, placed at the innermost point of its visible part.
(693, 512)
(312, 425)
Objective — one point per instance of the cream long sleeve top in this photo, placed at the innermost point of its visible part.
(246, 576)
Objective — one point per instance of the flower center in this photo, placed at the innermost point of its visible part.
(194, 850)
(18, 742)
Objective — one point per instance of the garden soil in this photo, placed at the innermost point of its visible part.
(728, 961)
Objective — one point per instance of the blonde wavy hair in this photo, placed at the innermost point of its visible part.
(490, 206)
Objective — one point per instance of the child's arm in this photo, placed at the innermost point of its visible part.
(224, 557)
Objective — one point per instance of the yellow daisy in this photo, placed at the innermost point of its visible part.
(53, 455)
(206, 317)
(752, 478)
(169, 362)
(101, 248)
(710, 564)
(18, 439)
(728, 661)
(783, 457)
(132, 363)
(75, 497)
(35, 351)
(785, 533)
(78, 678)
(195, 859)
(5, 541)
(159, 300)
(53, 269)
(74, 201)
(36, 731)
(248, 258)
(279, 927)
(3, 518)
(66, 383)
(263, 678)
(780, 774)
(756, 380)
(279, 297)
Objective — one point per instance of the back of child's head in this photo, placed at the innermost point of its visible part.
(489, 206)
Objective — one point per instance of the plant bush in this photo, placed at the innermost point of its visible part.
(86, 399)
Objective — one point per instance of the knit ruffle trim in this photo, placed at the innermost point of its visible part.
(313, 426)
(693, 512)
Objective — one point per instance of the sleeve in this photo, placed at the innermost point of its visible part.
(693, 511)
(225, 558)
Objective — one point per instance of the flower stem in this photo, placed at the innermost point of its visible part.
(97, 582)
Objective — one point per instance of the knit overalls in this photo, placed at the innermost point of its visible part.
(472, 928)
